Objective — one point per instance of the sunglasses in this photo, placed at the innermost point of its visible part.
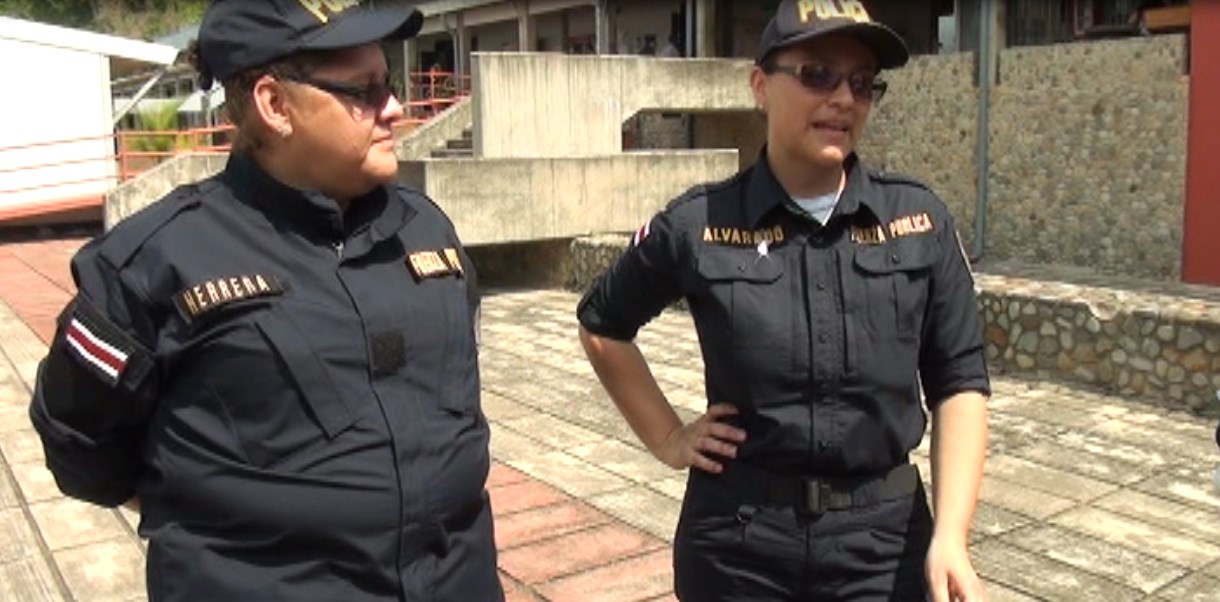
(374, 95)
(864, 86)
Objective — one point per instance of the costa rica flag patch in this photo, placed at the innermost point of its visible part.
(641, 234)
(98, 344)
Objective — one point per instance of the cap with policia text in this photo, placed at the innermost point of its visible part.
(798, 21)
(237, 35)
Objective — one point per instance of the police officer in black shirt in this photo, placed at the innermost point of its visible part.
(278, 364)
(825, 295)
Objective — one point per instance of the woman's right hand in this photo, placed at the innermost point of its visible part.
(693, 444)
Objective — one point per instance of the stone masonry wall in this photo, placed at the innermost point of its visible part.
(1089, 156)
(1087, 150)
(925, 127)
(1164, 350)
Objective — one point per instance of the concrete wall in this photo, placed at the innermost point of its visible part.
(549, 105)
(1087, 150)
(132, 196)
(515, 200)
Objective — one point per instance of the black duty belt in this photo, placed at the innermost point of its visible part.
(816, 495)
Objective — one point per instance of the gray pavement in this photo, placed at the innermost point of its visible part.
(1086, 497)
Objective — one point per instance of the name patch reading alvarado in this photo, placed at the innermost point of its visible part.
(434, 264)
(218, 292)
(744, 238)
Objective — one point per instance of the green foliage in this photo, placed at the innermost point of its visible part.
(142, 19)
(162, 117)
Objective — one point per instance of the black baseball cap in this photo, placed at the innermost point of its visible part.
(237, 35)
(797, 21)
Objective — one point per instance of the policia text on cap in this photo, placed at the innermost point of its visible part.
(825, 294)
(279, 362)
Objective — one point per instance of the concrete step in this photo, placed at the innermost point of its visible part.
(468, 134)
(452, 153)
(460, 144)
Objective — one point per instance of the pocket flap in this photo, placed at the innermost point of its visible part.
(738, 265)
(887, 259)
(310, 376)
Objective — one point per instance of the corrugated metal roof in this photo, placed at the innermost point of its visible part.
(86, 41)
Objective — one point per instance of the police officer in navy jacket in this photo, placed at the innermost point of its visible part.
(827, 296)
(277, 365)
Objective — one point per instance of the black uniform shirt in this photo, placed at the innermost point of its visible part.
(291, 392)
(820, 335)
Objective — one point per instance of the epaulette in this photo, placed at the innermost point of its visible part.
(695, 192)
(127, 237)
(410, 195)
(706, 190)
(890, 177)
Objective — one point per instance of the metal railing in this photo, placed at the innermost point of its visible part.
(430, 93)
(103, 161)
(112, 159)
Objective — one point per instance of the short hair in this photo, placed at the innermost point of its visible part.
(239, 88)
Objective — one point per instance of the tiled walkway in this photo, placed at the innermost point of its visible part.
(1087, 497)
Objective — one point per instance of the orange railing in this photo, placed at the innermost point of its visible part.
(132, 153)
(431, 92)
(137, 151)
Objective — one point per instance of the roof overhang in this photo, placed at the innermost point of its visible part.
(125, 52)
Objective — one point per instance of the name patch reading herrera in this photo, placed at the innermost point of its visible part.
(218, 292)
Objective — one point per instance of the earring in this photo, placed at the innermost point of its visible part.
(284, 130)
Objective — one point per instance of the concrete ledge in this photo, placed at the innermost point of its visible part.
(1144, 345)
(494, 201)
(157, 182)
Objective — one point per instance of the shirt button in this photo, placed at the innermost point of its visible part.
(822, 338)
(821, 285)
(895, 258)
(823, 446)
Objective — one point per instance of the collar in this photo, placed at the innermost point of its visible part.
(764, 192)
(371, 218)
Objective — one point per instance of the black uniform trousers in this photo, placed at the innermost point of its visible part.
(727, 550)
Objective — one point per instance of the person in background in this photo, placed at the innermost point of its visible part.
(277, 365)
(826, 296)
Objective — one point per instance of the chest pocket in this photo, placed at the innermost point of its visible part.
(749, 296)
(894, 278)
(292, 406)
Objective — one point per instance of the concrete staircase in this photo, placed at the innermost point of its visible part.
(458, 148)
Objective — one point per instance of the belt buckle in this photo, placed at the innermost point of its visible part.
(815, 496)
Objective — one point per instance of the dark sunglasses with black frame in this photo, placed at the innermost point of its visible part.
(864, 86)
(374, 95)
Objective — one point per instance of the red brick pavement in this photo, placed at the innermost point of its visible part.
(553, 547)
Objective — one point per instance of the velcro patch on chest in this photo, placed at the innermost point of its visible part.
(435, 264)
(215, 293)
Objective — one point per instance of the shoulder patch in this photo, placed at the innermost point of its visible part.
(101, 346)
(126, 238)
(642, 233)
